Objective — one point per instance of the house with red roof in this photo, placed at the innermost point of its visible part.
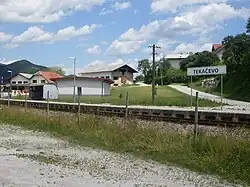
(43, 77)
(218, 49)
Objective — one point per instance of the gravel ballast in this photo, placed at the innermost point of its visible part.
(31, 159)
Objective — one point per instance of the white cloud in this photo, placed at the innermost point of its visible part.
(36, 34)
(42, 10)
(117, 6)
(212, 14)
(94, 50)
(33, 34)
(124, 47)
(70, 32)
(202, 21)
(5, 37)
(192, 47)
(172, 5)
(121, 6)
(166, 43)
(4, 61)
(104, 42)
(104, 12)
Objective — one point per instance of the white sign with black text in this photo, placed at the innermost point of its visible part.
(210, 70)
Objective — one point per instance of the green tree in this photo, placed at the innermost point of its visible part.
(248, 26)
(145, 68)
(236, 49)
(139, 78)
(58, 70)
(200, 59)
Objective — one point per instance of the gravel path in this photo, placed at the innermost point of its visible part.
(203, 95)
(23, 155)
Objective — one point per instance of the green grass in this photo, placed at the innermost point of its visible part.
(226, 157)
(166, 96)
(231, 90)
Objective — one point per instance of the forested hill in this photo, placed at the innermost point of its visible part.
(20, 66)
(25, 66)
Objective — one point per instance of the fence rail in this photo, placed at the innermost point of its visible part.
(181, 115)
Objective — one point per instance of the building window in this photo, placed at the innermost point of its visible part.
(13, 82)
(42, 81)
(116, 78)
(34, 81)
(107, 77)
(25, 82)
(102, 77)
(19, 82)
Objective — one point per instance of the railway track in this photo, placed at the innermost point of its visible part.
(181, 115)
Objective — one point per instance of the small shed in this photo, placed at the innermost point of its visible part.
(40, 91)
(86, 86)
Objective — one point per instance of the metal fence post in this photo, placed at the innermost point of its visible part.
(196, 115)
(126, 114)
(26, 104)
(8, 98)
(79, 107)
(47, 103)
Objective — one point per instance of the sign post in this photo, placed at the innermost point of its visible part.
(210, 70)
(191, 83)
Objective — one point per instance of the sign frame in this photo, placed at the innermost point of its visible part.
(206, 71)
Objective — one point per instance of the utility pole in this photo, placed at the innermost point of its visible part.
(153, 71)
(161, 66)
(74, 91)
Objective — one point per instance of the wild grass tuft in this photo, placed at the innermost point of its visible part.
(226, 157)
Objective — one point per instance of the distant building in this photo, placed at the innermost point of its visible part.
(21, 79)
(175, 59)
(22, 83)
(87, 86)
(218, 49)
(43, 77)
(120, 74)
(5, 74)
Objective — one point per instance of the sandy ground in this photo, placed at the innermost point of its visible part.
(32, 159)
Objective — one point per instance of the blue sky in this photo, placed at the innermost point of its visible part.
(100, 32)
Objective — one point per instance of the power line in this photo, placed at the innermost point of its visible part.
(154, 47)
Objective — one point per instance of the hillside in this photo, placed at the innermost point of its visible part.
(25, 66)
(21, 66)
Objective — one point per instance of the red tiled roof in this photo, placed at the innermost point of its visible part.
(216, 46)
(50, 76)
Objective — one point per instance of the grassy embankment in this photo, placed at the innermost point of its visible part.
(231, 89)
(166, 96)
(226, 157)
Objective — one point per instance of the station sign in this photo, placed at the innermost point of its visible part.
(210, 70)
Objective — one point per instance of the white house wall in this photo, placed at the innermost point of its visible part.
(53, 91)
(175, 63)
(89, 87)
(38, 78)
(98, 74)
(20, 79)
(119, 74)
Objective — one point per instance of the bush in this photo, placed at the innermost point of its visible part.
(173, 76)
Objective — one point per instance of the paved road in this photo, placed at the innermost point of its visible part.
(203, 95)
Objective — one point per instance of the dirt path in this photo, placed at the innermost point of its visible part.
(29, 159)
